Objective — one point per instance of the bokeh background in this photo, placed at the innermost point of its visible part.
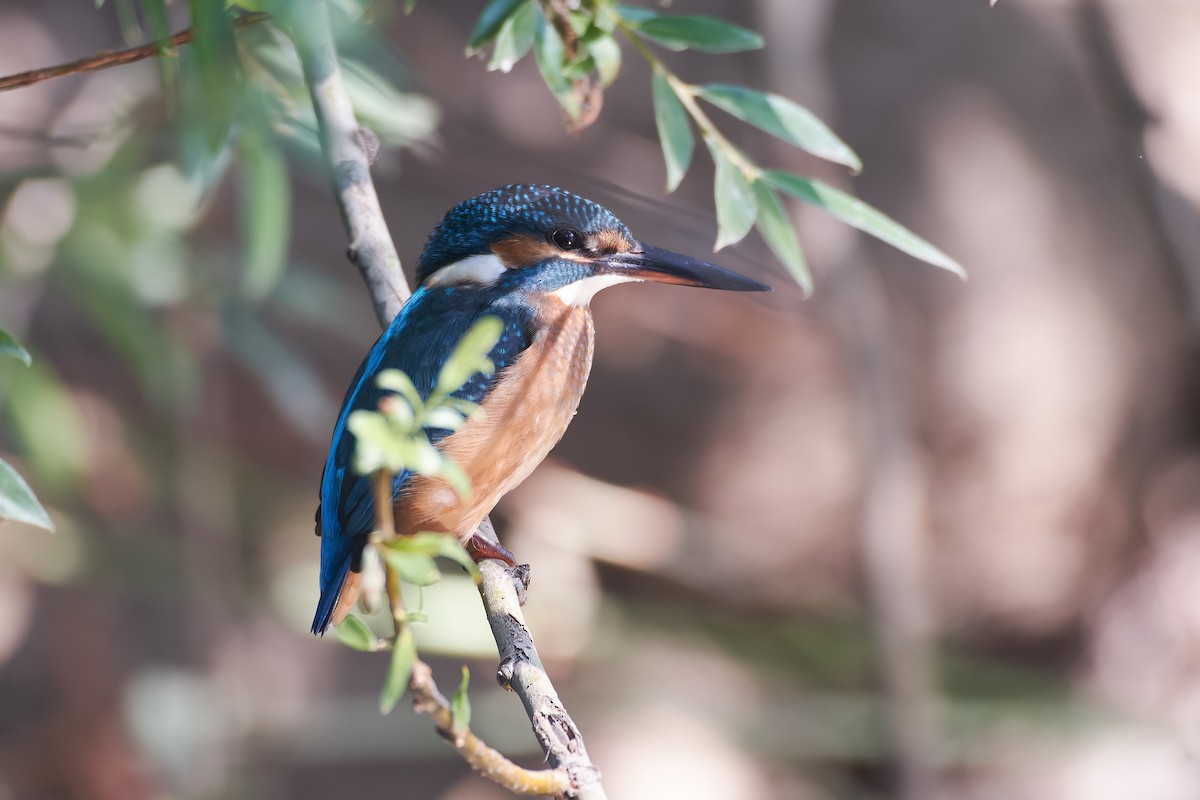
(911, 538)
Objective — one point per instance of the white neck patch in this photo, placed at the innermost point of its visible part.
(484, 268)
(581, 292)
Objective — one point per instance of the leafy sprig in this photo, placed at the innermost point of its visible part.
(393, 440)
(577, 50)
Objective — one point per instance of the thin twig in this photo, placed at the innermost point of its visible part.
(374, 254)
(107, 59)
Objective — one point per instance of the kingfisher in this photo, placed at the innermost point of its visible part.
(532, 256)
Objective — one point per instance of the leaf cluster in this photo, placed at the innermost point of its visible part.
(394, 440)
(575, 42)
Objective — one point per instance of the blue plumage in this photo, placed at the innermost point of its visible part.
(418, 342)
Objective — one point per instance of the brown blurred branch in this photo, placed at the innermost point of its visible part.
(104, 60)
(374, 254)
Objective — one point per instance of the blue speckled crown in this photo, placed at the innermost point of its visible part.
(471, 226)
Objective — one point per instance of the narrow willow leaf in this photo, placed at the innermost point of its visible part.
(515, 38)
(707, 34)
(773, 223)
(736, 206)
(784, 118)
(460, 706)
(9, 346)
(396, 381)
(354, 633)
(470, 354)
(551, 56)
(17, 501)
(409, 5)
(415, 568)
(449, 547)
(856, 213)
(399, 671)
(266, 206)
(674, 131)
(490, 21)
(606, 55)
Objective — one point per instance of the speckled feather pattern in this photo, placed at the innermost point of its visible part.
(473, 225)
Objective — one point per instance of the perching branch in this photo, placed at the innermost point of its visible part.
(521, 671)
(371, 248)
(428, 699)
(373, 252)
(113, 59)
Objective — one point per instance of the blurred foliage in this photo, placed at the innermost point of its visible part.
(114, 234)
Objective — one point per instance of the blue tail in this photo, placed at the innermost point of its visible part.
(329, 596)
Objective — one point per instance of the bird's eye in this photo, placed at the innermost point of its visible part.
(567, 239)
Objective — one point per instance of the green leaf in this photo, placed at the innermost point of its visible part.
(736, 206)
(409, 5)
(354, 633)
(776, 229)
(856, 213)
(490, 21)
(551, 56)
(460, 706)
(707, 34)
(437, 544)
(781, 117)
(515, 38)
(394, 380)
(606, 55)
(470, 355)
(213, 87)
(418, 569)
(9, 346)
(266, 202)
(674, 130)
(404, 651)
(17, 501)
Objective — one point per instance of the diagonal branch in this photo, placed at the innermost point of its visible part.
(374, 254)
(371, 248)
(116, 58)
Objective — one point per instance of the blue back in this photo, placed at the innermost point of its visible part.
(418, 342)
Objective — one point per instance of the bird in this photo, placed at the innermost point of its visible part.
(533, 256)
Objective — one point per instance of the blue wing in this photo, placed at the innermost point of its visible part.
(418, 342)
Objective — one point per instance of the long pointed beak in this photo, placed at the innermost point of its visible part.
(664, 266)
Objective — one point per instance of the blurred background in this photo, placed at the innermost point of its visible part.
(909, 538)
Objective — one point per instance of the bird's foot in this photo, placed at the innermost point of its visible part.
(480, 548)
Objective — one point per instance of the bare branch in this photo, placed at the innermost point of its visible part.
(521, 671)
(371, 247)
(105, 60)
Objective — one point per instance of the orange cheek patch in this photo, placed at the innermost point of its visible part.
(521, 251)
(612, 242)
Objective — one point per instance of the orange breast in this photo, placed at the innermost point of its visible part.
(512, 431)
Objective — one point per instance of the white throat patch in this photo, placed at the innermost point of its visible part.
(581, 292)
(483, 268)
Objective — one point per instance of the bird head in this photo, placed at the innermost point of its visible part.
(541, 238)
